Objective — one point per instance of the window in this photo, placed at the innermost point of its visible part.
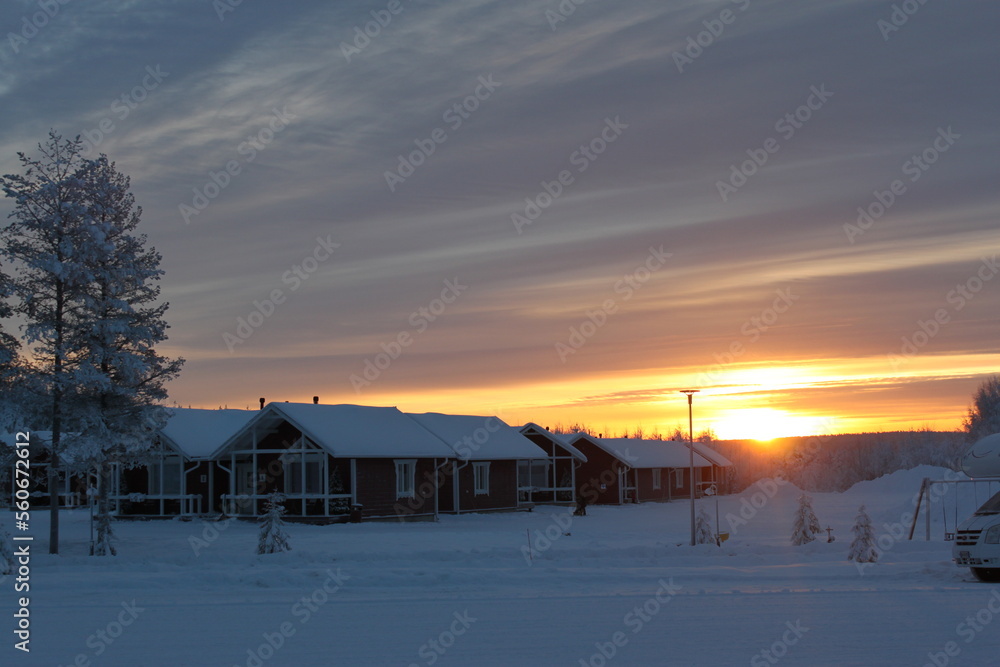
(406, 472)
(171, 466)
(481, 471)
(656, 478)
(314, 474)
(678, 477)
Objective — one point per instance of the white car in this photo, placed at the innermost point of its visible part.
(977, 542)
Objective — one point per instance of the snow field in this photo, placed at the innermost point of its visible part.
(617, 587)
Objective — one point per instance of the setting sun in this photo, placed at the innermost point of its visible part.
(765, 424)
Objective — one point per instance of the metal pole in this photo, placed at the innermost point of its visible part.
(690, 395)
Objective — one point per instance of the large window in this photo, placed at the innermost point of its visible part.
(314, 474)
(678, 477)
(656, 478)
(482, 475)
(171, 468)
(406, 473)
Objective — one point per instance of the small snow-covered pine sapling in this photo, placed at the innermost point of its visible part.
(273, 538)
(806, 524)
(703, 528)
(6, 553)
(104, 535)
(863, 547)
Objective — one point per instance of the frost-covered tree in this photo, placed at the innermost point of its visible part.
(9, 385)
(806, 524)
(703, 533)
(118, 324)
(273, 538)
(49, 240)
(338, 505)
(104, 536)
(863, 546)
(983, 418)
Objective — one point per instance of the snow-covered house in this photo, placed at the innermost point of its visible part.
(553, 479)
(180, 476)
(482, 474)
(328, 458)
(622, 470)
(73, 483)
(720, 475)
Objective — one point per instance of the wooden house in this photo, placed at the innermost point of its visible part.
(552, 479)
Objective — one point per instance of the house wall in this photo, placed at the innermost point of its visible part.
(597, 479)
(503, 487)
(376, 480)
(645, 488)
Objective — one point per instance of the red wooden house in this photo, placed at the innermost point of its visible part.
(552, 479)
(622, 470)
(482, 474)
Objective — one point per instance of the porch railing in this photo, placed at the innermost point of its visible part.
(245, 504)
(190, 503)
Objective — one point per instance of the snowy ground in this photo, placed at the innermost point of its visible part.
(462, 592)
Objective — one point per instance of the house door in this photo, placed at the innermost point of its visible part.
(245, 484)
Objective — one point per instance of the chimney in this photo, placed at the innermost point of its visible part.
(315, 400)
(262, 402)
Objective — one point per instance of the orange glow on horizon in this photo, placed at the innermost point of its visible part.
(758, 401)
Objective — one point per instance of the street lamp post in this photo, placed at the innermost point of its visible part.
(690, 394)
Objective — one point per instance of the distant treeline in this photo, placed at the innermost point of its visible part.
(837, 462)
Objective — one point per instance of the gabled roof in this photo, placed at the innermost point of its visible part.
(712, 455)
(647, 453)
(560, 439)
(354, 431)
(199, 434)
(479, 438)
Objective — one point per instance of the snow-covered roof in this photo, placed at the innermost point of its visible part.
(479, 438)
(983, 459)
(356, 431)
(198, 434)
(561, 439)
(647, 453)
(712, 455)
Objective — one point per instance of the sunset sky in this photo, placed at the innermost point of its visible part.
(591, 232)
